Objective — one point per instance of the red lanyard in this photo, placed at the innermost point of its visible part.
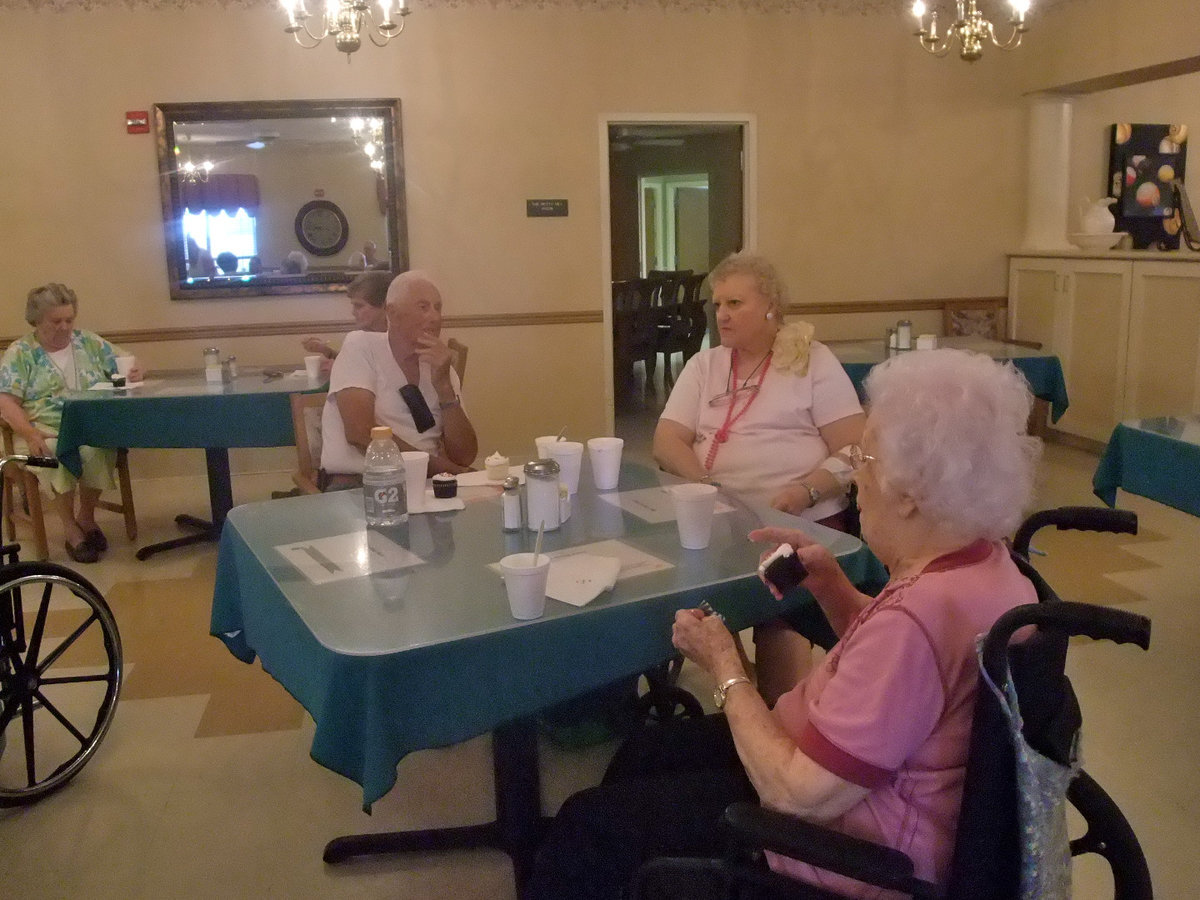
(722, 434)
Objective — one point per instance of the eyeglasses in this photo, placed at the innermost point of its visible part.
(729, 396)
(857, 458)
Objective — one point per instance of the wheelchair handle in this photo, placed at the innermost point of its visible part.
(1100, 623)
(1075, 518)
(42, 462)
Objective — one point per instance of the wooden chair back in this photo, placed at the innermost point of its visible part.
(306, 423)
(459, 349)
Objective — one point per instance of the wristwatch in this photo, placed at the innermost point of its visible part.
(723, 688)
(814, 496)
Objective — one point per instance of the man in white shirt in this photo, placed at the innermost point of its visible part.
(403, 379)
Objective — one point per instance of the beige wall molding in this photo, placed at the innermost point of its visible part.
(873, 306)
(340, 326)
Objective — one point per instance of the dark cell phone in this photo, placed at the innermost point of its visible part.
(783, 569)
(415, 401)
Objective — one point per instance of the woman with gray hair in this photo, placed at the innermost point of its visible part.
(35, 371)
(874, 741)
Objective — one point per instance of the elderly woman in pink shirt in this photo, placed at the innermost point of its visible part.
(874, 741)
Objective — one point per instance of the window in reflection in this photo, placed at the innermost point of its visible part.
(213, 240)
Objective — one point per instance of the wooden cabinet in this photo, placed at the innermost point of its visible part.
(1126, 329)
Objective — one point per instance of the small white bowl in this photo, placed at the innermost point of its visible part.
(1103, 241)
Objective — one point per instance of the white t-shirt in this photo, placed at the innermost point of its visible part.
(777, 439)
(366, 361)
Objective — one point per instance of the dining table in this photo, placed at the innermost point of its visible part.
(1156, 457)
(185, 410)
(1041, 368)
(401, 639)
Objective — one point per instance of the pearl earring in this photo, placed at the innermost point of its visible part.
(770, 315)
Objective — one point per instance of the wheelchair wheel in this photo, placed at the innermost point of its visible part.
(60, 674)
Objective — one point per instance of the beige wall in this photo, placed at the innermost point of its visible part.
(882, 173)
(1092, 38)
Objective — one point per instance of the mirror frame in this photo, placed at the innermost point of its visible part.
(165, 117)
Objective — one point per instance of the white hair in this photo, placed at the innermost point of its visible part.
(949, 428)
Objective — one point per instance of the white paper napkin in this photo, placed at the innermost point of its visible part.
(434, 504)
(580, 578)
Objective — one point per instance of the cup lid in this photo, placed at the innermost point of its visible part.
(542, 468)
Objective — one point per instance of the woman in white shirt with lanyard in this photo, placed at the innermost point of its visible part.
(770, 414)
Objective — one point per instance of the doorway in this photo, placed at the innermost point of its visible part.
(679, 200)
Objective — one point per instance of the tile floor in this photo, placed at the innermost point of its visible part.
(204, 787)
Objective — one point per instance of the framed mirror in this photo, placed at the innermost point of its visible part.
(279, 197)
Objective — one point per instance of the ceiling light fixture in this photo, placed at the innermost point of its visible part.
(347, 21)
(970, 30)
(191, 172)
(368, 134)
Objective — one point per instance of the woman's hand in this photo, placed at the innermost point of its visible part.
(706, 641)
(823, 570)
(316, 345)
(36, 442)
(793, 498)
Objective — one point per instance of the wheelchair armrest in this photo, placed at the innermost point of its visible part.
(1075, 518)
(754, 826)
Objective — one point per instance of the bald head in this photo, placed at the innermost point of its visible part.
(414, 307)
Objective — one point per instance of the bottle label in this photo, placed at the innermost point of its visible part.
(384, 500)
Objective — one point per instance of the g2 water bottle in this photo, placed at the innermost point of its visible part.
(384, 500)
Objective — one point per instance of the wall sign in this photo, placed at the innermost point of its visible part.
(541, 208)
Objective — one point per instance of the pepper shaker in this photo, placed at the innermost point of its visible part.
(511, 503)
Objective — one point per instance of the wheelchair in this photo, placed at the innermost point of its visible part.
(60, 671)
(987, 857)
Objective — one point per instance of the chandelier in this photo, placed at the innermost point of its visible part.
(191, 172)
(969, 28)
(368, 134)
(347, 21)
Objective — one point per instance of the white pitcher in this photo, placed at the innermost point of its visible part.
(1096, 218)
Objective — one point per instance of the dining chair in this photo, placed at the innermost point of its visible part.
(32, 512)
(459, 362)
(306, 423)
(982, 316)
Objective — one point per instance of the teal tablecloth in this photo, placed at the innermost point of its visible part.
(1158, 458)
(434, 658)
(1042, 370)
(180, 413)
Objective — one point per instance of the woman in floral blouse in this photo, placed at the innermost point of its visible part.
(35, 371)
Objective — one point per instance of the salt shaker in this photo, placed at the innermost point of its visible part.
(511, 503)
(212, 364)
(904, 335)
(541, 495)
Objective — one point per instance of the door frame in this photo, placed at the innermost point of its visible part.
(749, 123)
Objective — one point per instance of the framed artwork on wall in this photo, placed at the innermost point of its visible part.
(1143, 161)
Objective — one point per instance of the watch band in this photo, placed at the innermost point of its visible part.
(814, 496)
(723, 688)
